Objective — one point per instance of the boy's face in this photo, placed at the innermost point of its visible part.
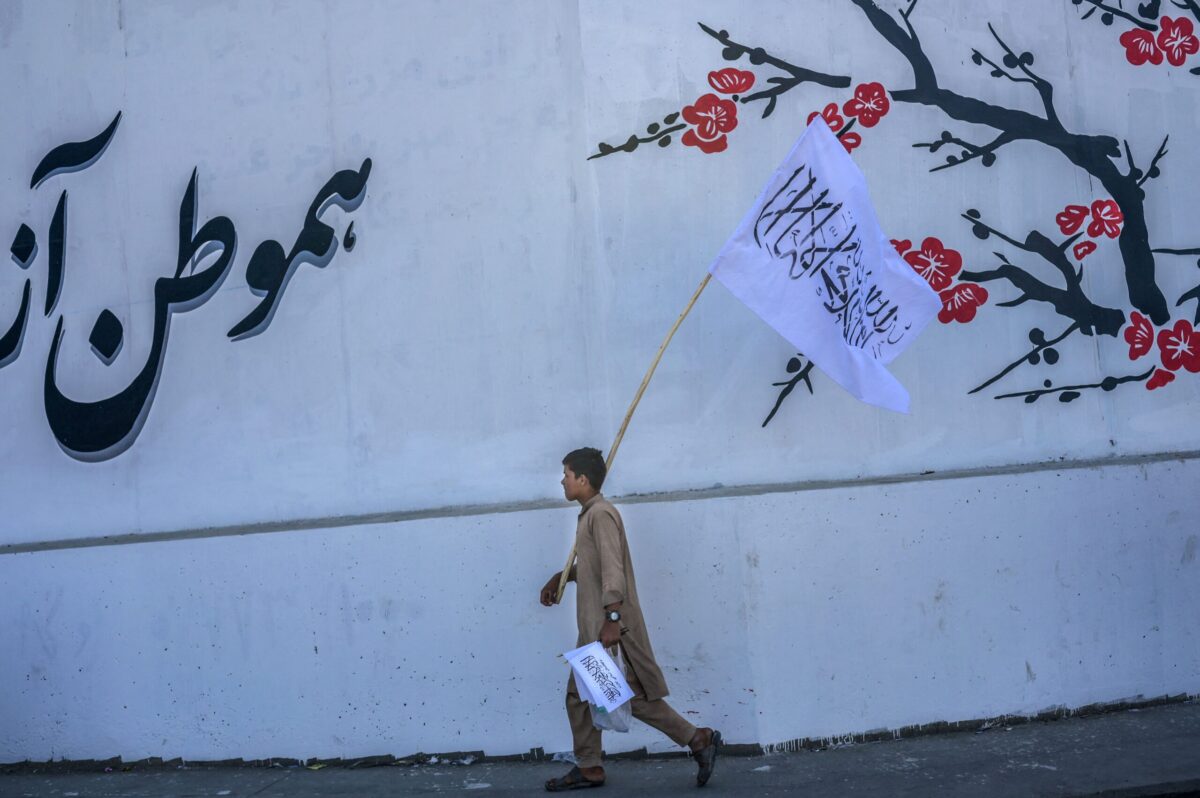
(573, 485)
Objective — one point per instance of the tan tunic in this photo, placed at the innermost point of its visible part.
(604, 575)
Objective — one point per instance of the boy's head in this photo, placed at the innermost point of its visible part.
(583, 469)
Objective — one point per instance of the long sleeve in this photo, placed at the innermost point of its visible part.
(611, 549)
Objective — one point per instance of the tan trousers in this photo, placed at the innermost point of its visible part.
(657, 713)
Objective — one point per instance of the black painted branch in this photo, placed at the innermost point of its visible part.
(1188, 297)
(782, 85)
(633, 141)
(1164, 251)
(1037, 350)
(1188, 5)
(1038, 244)
(788, 387)
(1093, 154)
(1070, 302)
(1108, 383)
(1030, 244)
(908, 44)
(1144, 293)
(760, 56)
(1116, 12)
(1056, 255)
(997, 70)
(1153, 171)
(976, 151)
(1045, 89)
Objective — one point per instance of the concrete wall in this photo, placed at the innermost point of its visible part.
(391, 438)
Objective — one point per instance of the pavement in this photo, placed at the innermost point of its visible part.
(1139, 752)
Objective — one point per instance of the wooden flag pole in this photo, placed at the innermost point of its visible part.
(612, 452)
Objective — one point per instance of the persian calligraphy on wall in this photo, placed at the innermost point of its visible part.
(100, 430)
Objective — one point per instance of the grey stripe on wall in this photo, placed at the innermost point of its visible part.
(715, 492)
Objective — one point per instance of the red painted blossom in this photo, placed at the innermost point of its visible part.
(935, 263)
(902, 245)
(1159, 379)
(1071, 218)
(719, 144)
(712, 118)
(1139, 335)
(1106, 219)
(850, 140)
(870, 104)
(961, 302)
(1083, 249)
(1179, 347)
(1176, 40)
(831, 116)
(730, 80)
(1140, 47)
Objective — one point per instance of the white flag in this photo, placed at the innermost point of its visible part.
(811, 260)
(597, 678)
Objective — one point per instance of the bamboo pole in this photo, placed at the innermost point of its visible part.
(612, 451)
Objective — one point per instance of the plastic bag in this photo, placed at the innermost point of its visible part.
(619, 719)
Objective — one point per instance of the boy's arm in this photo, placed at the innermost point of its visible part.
(612, 574)
(612, 559)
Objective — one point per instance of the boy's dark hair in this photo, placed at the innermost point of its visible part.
(587, 462)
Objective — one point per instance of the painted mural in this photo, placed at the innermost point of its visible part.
(1157, 334)
(100, 430)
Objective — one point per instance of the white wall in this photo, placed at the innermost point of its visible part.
(500, 307)
(775, 616)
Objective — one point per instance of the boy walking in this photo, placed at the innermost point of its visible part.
(607, 609)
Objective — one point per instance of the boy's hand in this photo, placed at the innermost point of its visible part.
(610, 634)
(549, 595)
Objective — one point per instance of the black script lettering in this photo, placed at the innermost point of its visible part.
(270, 270)
(94, 431)
(10, 344)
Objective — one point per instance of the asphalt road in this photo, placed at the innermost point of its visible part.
(1146, 752)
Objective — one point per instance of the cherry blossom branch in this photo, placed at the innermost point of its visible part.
(1035, 243)
(1070, 302)
(986, 153)
(661, 135)
(1189, 296)
(801, 375)
(798, 75)
(1188, 5)
(1093, 154)
(1028, 357)
(1117, 12)
(1153, 171)
(997, 71)
(1044, 88)
(1069, 393)
(1193, 293)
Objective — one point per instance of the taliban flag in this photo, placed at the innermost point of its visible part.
(812, 261)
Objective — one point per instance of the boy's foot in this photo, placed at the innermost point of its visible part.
(576, 779)
(705, 746)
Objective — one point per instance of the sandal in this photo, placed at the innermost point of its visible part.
(574, 780)
(706, 758)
